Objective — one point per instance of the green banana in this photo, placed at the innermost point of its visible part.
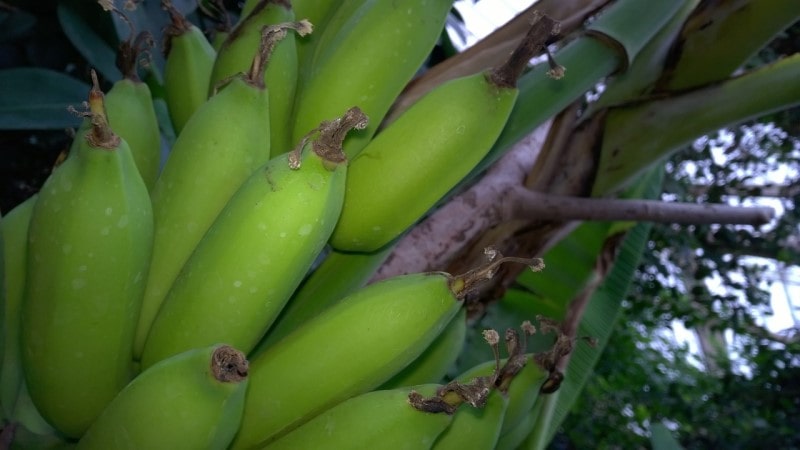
(236, 54)
(220, 146)
(369, 61)
(475, 428)
(187, 70)
(513, 438)
(192, 400)
(89, 245)
(338, 275)
(131, 113)
(417, 159)
(14, 228)
(26, 414)
(377, 331)
(328, 17)
(432, 365)
(380, 419)
(258, 250)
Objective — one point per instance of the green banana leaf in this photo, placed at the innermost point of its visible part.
(37, 99)
(598, 320)
(90, 30)
(662, 439)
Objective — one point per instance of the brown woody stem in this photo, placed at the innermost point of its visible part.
(330, 135)
(462, 285)
(542, 28)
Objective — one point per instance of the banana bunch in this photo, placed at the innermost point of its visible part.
(217, 299)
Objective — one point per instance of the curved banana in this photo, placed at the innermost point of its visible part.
(417, 159)
(513, 437)
(432, 365)
(523, 393)
(328, 16)
(26, 414)
(377, 331)
(89, 245)
(280, 78)
(131, 114)
(338, 275)
(258, 250)
(369, 61)
(14, 229)
(187, 70)
(380, 419)
(220, 146)
(192, 400)
(475, 428)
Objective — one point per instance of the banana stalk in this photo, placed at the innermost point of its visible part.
(256, 253)
(89, 246)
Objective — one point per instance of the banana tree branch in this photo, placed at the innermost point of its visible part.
(765, 190)
(530, 205)
(437, 239)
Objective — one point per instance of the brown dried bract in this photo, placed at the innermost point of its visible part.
(229, 365)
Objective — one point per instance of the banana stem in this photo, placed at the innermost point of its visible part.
(129, 53)
(451, 396)
(331, 134)
(542, 28)
(528, 205)
(270, 36)
(101, 135)
(462, 285)
(178, 24)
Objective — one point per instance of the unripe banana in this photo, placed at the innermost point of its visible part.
(510, 382)
(236, 54)
(432, 365)
(131, 114)
(417, 159)
(336, 277)
(14, 229)
(27, 415)
(475, 428)
(513, 438)
(192, 400)
(375, 420)
(221, 145)
(369, 61)
(328, 16)
(187, 70)
(258, 250)
(376, 330)
(89, 244)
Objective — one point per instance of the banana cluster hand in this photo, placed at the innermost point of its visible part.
(135, 294)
